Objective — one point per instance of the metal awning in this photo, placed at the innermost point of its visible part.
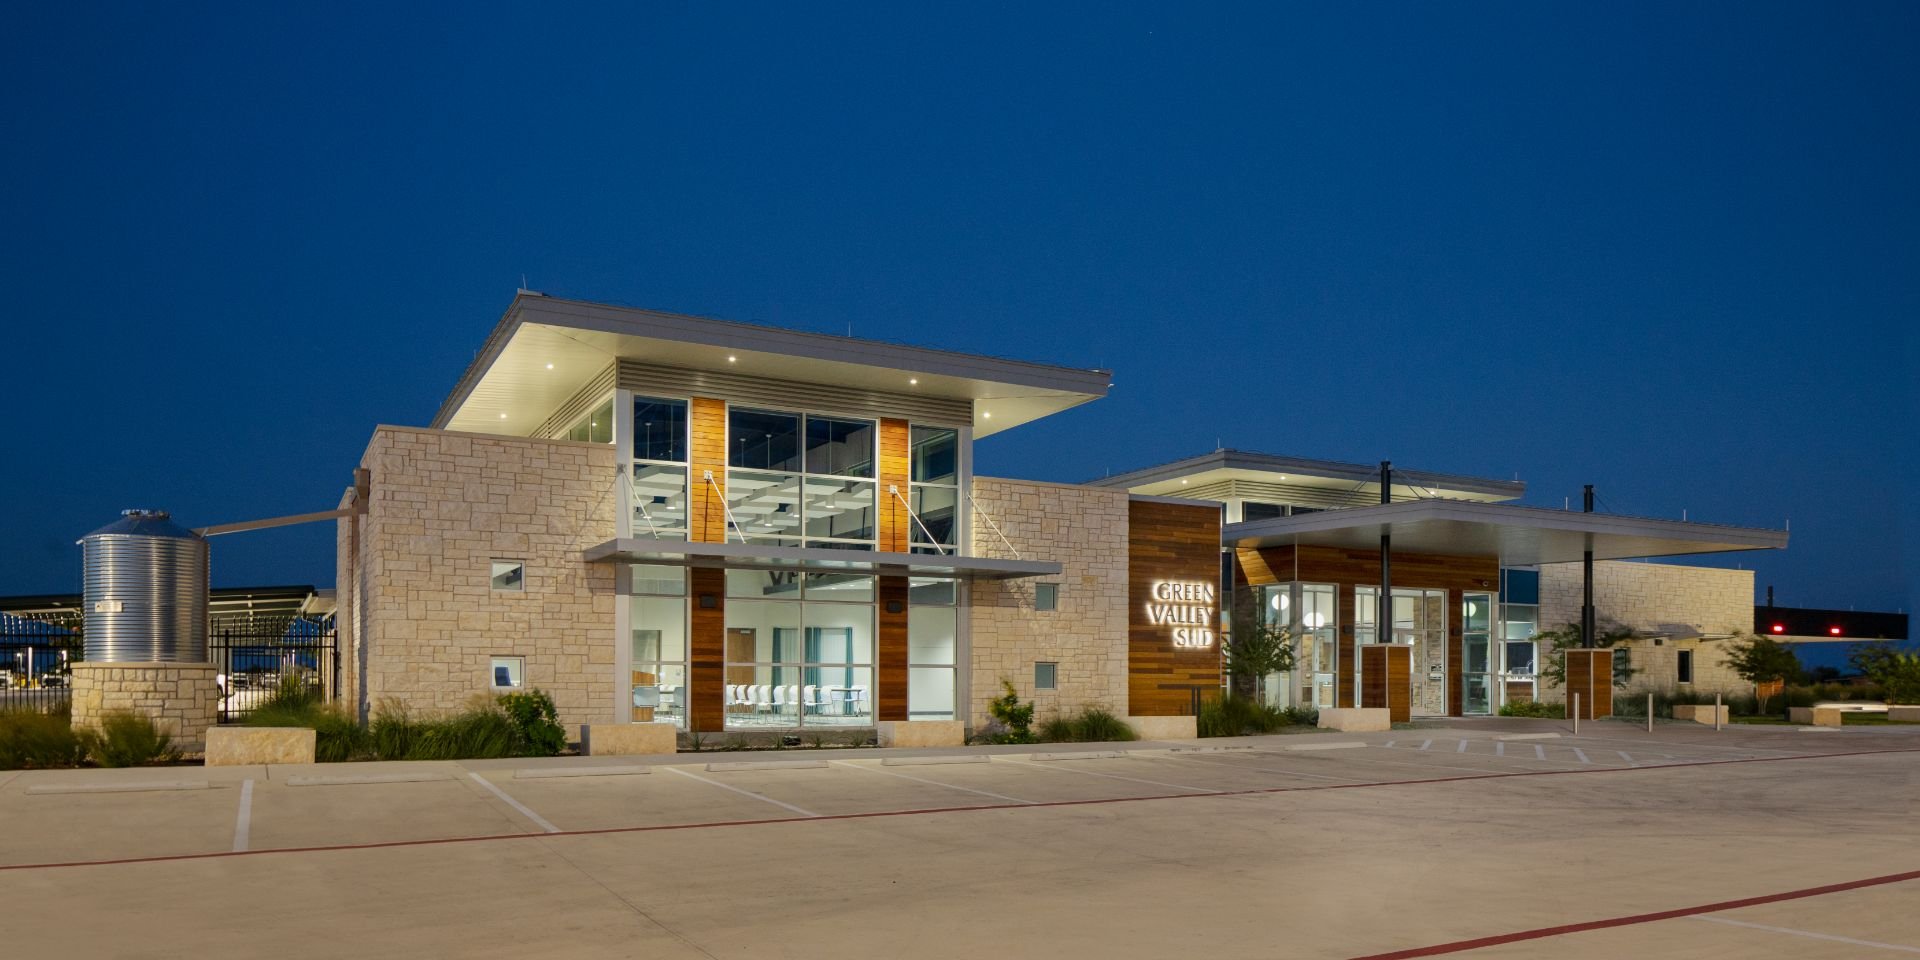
(1517, 535)
(754, 556)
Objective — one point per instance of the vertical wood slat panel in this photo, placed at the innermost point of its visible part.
(895, 449)
(706, 677)
(890, 658)
(707, 451)
(1180, 542)
(1343, 659)
(1386, 679)
(1457, 653)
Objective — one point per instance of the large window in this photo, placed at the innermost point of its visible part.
(932, 649)
(1477, 618)
(799, 649)
(657, 638)
(935, 473)
(797, 480)
(1308, 613)
(595, 427)
(659, 468)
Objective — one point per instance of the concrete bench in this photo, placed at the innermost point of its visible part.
(1903, 714)
(921, 733)
(1165, 728)
(1356, 719)
(628, 739)
(1702, 713)
(1815, 716)
(240, 746)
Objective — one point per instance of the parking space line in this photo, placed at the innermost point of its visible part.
(950, 786)
(1462, 748)
(243, 822)
(1624, 756)
(1539, 752)
(1109, 776)
(1898, 948)
(1425, 744)
(1279, 770)
(1582, 754)
(1488, 771)
(745, 793)
(1499, 748)
(525, 811)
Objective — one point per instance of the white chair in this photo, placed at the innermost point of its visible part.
(779, 700)
(806, 698)
(762, 698)
(857, 701)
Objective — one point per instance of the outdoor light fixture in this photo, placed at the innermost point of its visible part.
(1315, 621)
(913, 381)
(503, 416)
(988, 414)
(1834, 630)
(549, 366)
(1779, 628)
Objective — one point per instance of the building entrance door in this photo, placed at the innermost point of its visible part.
(1420, 620)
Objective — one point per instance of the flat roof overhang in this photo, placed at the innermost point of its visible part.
(754, 556)
(1358, 481)
(1516, 534)
(545, 349)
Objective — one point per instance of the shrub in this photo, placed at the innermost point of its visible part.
(1091, 725)
(536, 726)
(1534, 708)
(336, 735)
(1015, 716)
(1232, 716)
(128, 739)
(32, 739)
(1896, 671)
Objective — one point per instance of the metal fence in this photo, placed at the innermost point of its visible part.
(36, 660)
(255, 661)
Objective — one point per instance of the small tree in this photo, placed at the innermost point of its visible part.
(1553, 662)
(1254, 652)
(1887, 665)
(1017, 716)
(1762, 661)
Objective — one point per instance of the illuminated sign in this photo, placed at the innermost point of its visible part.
(1186, 607)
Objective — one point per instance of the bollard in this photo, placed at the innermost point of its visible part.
(1576, 714)
(1649, 713)
(1716, 711)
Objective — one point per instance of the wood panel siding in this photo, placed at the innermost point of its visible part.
(706, 674)
(896, 524)
(1590, 674)
(1386, 679)
(707, 451)
(890, 658)
(1457, 654)
(1169, 542)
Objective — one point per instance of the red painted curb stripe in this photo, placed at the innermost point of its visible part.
(1477, 943)
(1251, 791)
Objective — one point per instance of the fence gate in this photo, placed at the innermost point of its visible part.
(256, 659)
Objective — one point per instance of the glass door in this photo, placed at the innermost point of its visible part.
(1476, 682)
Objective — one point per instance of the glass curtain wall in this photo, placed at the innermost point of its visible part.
(801, 480)
(799, 649)
(659, 468)
(1420, 621)
(1476, 621)
(1307, 612)
(595, 427)
(933, 640)
(935, 495)
(657, 638)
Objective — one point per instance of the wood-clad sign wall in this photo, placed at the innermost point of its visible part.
(896, 524)
(706, 675)
(890, 666)
(706, 506)
(1179, 545)
(1386, 679)
(1590, 674)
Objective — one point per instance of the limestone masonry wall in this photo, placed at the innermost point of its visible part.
(1085, 530)
(443, 506)
(1658, 598)
(181, 698)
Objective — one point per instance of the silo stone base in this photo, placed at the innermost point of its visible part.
(180, 697)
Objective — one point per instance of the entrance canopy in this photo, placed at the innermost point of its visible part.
(753, 556)
(1515, 534)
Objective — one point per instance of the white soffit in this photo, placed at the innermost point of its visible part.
(1517, 535)
(1361, 479)
(511, 375)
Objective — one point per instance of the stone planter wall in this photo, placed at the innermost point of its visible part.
(181, 698)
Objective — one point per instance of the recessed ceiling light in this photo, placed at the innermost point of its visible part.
(731, 358)
(549, 366)
(1183, 481)
(913, 380)
(988, 414)
(503, 416)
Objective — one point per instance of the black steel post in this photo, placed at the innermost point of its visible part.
(1383, 613)
(1586, 577)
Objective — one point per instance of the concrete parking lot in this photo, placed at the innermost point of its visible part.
(1484, 839)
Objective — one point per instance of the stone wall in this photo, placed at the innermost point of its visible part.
(417, 601)
(181, 698)
(1658, 598)
(1085, 530)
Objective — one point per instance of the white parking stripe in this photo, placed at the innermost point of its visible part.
(244, 822)
(1499, 748)
(1623, 756)
(1425, 744)
(950, 786)
(1582, 754)
(538, 820)
(744, 793)
(1109, 776)
(1539, 752)
(1279, 770)
(1389, 743)
(1463, 747)
(1896, 947)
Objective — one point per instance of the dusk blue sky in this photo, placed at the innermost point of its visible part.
(1666, 249)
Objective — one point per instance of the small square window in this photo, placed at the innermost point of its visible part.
(509, 673)
(1046, 676)
(1046, 597)
(509, 576)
